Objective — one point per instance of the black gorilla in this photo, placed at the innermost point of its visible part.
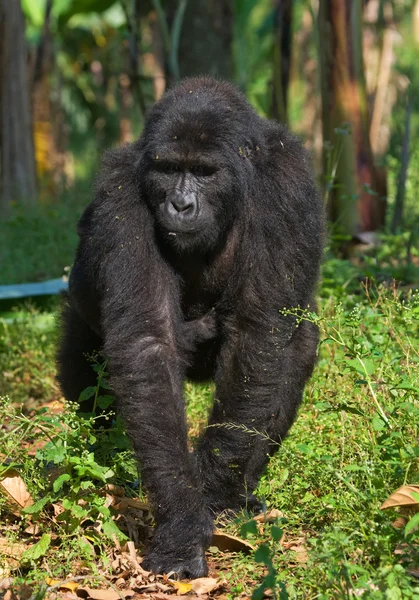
(200, 233)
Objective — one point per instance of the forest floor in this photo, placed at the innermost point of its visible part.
(74, 520)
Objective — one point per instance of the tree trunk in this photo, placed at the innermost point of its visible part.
(206, 37)
(17, 177)
(356, 200)
(282, 58)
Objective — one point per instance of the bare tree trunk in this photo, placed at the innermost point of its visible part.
(18, 175)
(404, 165)
(205, 43)
(282, 58)
(356, 200)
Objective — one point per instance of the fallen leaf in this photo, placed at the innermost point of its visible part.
(122, 504)
(230, 543)
(182, 587)
(204, 585)
(11, 549)
(400, 522)
(107, 594)
(402, 497)
(62, 585)
(300, 552)
(269, 517)
(6, 583)
(14, 488)
(11, 552)
(33, 529)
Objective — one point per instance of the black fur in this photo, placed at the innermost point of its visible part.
(199, 235)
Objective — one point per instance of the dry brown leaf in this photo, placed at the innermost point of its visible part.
(58, 509)
(14, 488)
(161, 596)
(204, 585)
(400, 522)
(116, 490)
(268, 517)
(122, 504)
(230, 543)
(21, 592)
(6, 583)
(402, 497)
(10, 552)
(33, 529)
(300, 553)
(108, 594)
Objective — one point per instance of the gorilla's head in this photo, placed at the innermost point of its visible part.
(195, 168)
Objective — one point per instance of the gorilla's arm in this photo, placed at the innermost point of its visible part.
(266, 358)
(259, 388)
(140, 327)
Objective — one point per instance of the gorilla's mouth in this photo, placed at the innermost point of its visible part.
(175, 229)
(179, 225)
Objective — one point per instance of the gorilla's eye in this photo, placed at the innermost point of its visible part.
(202, 170)
(164, 166)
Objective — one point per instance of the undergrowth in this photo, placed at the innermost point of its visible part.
(354, 443)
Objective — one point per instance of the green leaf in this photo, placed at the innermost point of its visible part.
(53, 452)
(37, 506)
(34, 11)
(259, 592)
(351, 409)
(249, 528)
(277, 533)
(378, 424)
(110, 529)
(37, 550)
(263, 555)
(87, 393)
(78, 511)
(85, 547)
(59, 482)
(412, 524)
(356, 365)
(105, 401)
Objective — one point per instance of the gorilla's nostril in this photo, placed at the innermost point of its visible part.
(181, 207)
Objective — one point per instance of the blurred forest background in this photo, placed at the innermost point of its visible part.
(77, 76)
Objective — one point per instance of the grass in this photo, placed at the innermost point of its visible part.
(38, 243)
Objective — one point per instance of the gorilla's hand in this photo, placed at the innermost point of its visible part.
(200, 330)
(180, 546)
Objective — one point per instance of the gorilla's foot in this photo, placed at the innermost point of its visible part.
(190, 567)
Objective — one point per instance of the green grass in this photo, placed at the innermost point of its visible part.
(38, 243)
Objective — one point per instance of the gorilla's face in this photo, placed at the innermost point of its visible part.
(191, 196)
(192, 173)
(180, 194)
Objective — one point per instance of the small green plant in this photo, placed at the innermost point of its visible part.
(265, 555)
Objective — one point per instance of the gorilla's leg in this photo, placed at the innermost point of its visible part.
(259, 388)
(77, 343)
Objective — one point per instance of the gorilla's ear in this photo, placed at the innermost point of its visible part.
(249, 147)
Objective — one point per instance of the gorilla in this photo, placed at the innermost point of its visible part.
(199, 235)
